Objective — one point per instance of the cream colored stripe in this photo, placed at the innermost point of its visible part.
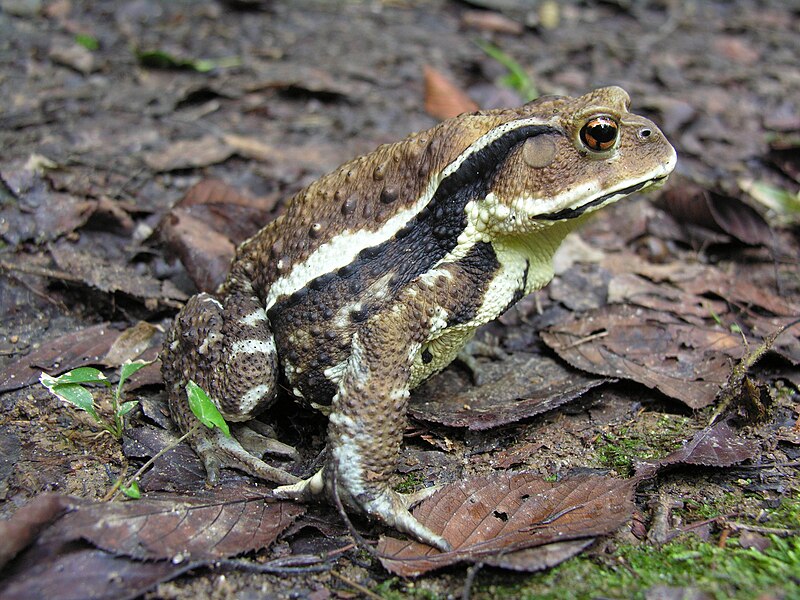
(342, 249)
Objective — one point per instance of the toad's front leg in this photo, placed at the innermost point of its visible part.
(368, 417)
(226, 347)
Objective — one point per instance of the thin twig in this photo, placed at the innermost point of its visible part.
(356, 586)
(583, 340)
(289, 565)
(40, 271)
(362, 543)
(472, 572)
(779, 531)
(116, 489)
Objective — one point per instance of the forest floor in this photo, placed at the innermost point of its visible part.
(124, 124)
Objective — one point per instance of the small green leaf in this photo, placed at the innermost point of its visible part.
(132, 491)
(76, 395)
(782, 201)
(126, 407)
(87, 41)
(517, 78)
(128, 369)
(79, 375)
(204, 409)
(159, 59)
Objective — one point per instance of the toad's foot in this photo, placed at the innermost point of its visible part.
(217, 450)
(388, 506)
(259, 438)
(468, 356)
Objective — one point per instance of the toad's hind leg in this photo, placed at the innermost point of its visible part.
(226, 347)
(368, 416)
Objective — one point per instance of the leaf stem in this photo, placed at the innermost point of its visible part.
(116, 489)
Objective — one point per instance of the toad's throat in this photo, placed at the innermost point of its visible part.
(572, 213)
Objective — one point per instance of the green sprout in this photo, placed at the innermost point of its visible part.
(69, 388)
(87, 41)
(207, 414)
(160, 59)
(517, 78)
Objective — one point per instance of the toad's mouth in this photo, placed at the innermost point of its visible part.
(572, 213)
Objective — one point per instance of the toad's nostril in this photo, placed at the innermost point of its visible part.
(645, 133)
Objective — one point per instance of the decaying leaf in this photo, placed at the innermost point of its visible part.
(657, 349)
(18, 532)
(189, 154)
(205, 253)
(691, 203)
(503, 513)
(717, 445)
(539, 557)
(443, 99)
(76, 571)
(204, 228)
(701, 294)
(178, 470)
(308, 80)
(228, 210)
(520, 386)
(130, 344)
(107, 276)
(84, 347)
(211, 524)
(485, 20)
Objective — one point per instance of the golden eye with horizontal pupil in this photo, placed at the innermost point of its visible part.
(599, 133)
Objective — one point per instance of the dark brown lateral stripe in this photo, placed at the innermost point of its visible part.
(433, 232)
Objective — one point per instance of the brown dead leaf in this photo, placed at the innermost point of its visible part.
(205, 254)
(691, 203)
(485, 20)
(784, 154)
(77, 349)
(213, 191)
(506, 512)
(96, 272)
(227, 210)
(443, 99)
(211, 524)
(520, 386)
(630, 288)
(705, 281)
(189, 154)
(699, 292)
(26, 524)
(539, 558)
(177, 470)
(38, 213)
(204, 228)
(130, 344)
(684, 361)
(75, 571)
(307, 81)
(716, 446)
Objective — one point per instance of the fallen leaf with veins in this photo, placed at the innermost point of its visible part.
(208, 525)
(507, 512)
(684, 361)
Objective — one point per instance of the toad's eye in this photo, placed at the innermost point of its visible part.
(599, 133)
